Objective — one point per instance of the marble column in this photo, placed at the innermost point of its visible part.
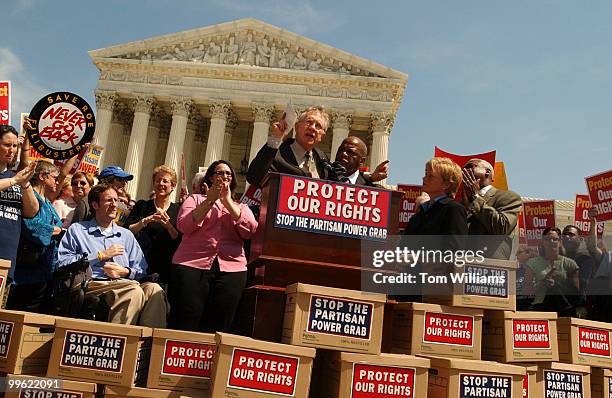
(193, 124)
(149, 161)
(105, 102)
(261, 127)
(230, 126)
(381, 129)
(118, 126)
(341, 126)
(143, 105)
(181, 107)
(219, 111)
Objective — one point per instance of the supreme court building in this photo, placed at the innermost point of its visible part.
(212, 93)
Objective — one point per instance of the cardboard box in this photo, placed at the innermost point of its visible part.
(432, 329)
(334, 319)
(249, 368)
(140, 392)
(25, 342)
(601, 383)
(530, 381)
(584, 342)
(554, 379)
(5, 266)
(35, 387)
(181, 360)
(100, 352)
(453, 378)
(372, 376)
(487, 285)
(510, 336)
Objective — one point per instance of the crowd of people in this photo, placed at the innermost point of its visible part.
(183, 265)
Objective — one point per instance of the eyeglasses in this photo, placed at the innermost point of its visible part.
(223, 173)
(550, 239)
(81, 183)
(53, 177)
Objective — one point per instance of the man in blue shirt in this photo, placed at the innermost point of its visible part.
(116, 262)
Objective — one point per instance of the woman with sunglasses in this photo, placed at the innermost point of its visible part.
(37, 254)
(209, 271)
(552, 278)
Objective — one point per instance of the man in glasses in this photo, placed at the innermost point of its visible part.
(491, 211)
(293, 156)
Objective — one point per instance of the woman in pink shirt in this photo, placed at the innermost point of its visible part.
(209, 271)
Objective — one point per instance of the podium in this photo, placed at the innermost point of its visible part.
(280, 257)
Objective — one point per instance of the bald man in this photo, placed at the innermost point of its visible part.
(352, 154)
(491, 211)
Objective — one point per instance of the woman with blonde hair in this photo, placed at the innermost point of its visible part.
(153, 222)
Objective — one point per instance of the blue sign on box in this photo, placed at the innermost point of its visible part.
(93, 351)
(340, 317)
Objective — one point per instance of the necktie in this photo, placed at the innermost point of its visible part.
(309, 165)
(344, 179)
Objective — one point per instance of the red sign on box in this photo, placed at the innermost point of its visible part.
(5, 102)
(594, 342)
(408, 202)
(581, 216)
(326, 207)
(371, 381)
(539, 215)
(526, 386)
(448, 329)
(529, 333)
(188, 359)
(600, 192)
(259, 371)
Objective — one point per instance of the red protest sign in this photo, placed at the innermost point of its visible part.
(5, 102)
(263, 372)
(539, 215)
(600, 192)
(325, 207)
(408, 202)
(448, 329)
(594, 342)
(184, 358)
(252, 196)
(368, 381)
(581, 216)
(530, 333)
(461, 160)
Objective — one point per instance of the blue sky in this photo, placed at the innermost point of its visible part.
(530, 79)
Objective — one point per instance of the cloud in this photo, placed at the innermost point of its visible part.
(295, 15)
(25, 91)
(22, 5)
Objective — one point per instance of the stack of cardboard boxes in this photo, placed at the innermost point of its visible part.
(438, 349)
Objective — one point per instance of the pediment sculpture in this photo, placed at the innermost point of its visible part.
(252, 48)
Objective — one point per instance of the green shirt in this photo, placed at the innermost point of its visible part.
(541, 267)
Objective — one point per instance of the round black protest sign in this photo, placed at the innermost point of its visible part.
(64, 124)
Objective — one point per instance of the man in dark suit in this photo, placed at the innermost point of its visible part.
(491, 211)
(293, 156)
(352, 154)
